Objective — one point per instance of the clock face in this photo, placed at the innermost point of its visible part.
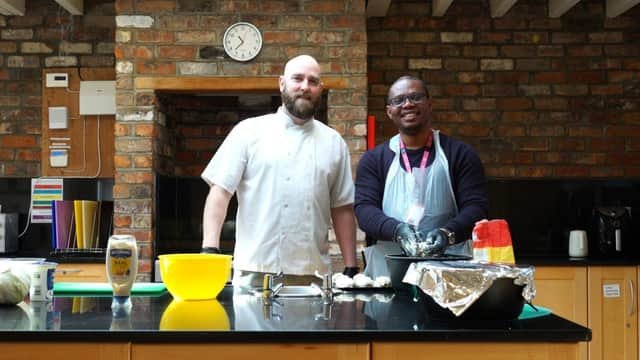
(242, 41)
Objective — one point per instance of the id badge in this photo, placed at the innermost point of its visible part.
(414, 215)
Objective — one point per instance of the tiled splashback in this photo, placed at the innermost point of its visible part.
(540, 213)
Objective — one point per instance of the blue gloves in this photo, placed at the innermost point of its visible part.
(436, 242)
(413, 243)
(407, 236)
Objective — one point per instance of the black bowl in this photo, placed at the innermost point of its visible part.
(502, 301)
(398, 265)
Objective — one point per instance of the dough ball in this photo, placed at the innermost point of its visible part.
(382, 281)
(362, 281)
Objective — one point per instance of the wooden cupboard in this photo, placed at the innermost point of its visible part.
(480, 350)
(602, 298)
(564, 290)
(346, 351)
(81, 272)
(65, 351)
(613, 312)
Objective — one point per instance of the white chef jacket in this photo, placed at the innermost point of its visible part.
(287, 178)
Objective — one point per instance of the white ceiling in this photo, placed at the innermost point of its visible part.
(500, 7)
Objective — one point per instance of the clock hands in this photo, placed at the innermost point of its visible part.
(241, 42)
(235, 44)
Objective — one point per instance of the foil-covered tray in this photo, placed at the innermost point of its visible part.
(456, 285)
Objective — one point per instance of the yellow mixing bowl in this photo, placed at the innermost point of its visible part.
(195, 276)
(194, 315)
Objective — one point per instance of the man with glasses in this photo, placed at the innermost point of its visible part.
(421, 192)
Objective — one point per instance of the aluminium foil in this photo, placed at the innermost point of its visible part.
(456, 285)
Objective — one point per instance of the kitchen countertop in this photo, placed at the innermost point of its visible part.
(363, 316)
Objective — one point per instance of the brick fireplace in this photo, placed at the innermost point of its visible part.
(174, 47)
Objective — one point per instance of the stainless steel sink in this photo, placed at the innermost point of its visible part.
(298, 291)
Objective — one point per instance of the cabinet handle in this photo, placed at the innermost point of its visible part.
(633, 298)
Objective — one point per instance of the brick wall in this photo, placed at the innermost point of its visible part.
(197, 126)
(536, 96)
(182, 39)
(47, 36)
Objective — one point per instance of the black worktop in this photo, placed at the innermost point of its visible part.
(535, 260)
(241, 317)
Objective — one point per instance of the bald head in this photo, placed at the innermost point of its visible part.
(302, 63)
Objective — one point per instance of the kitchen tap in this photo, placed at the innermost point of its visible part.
(327, 287)
(268, 289)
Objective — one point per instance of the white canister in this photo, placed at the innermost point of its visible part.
(578, 244)
(42, 279)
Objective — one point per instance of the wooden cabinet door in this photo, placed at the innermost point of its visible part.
(75, 272)
(473, 350)
(296, 351)
(563, 289)
(65, 351)
(613, 316)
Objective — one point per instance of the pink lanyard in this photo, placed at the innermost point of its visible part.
(405, 158)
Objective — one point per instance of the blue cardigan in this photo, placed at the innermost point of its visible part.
(467, 178)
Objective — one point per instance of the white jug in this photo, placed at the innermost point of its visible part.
(578, 245)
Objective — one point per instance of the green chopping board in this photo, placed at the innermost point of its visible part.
(97, 289)
(528, 312)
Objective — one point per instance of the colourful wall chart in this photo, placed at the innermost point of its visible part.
(43, 192)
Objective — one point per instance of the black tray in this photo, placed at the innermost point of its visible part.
(429, 258)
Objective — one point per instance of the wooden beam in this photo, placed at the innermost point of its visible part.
(617, 7)
(225, 84)
(75, 7)
(557, 8)
(501, 7)
(377, 7)
(12, 7)
(440, 7)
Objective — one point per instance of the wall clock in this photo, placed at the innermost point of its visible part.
(242, 41)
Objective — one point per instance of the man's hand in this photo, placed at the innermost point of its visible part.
(350, 271)
(406, 236)
(435, 242)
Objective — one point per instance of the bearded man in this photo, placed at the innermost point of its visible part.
(292, 176)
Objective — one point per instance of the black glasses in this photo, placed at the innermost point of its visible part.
(414, 98)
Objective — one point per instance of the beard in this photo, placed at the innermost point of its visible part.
(300, 106)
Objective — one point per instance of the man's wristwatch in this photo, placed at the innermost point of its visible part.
(451, 236)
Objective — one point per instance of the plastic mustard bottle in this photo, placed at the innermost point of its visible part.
(122, 268)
